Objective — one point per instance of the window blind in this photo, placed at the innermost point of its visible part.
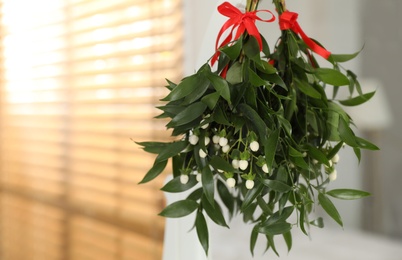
(79, 81)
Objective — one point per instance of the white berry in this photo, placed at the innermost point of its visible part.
(226, 148)
(204, 126)
(193, 139)
(184, 179)
(235, 163)
(202, 153)
(335, 159)
(254, 146)
(231, 182)
(330, 163)
(333, 175)
(207, 140)
(198, 177)
(265, 168)
(223, 141)
(215, 139)
(249, 184)
(243, 164)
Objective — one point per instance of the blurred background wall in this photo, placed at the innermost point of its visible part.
(344, 27)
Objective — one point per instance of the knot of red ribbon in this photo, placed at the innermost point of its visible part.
(242, 21)
(288, 20)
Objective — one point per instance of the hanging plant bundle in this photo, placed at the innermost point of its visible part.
(257, 134)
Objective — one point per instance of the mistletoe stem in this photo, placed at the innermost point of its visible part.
(252, 5)
(280, 6)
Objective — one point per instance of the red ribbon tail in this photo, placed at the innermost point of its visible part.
(288, 20)
(313, 45)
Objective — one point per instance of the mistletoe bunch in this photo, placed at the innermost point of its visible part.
(257, 133)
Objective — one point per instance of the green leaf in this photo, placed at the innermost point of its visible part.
(335, 150)
(266, 68)
(357, 100)
(270, 148)
(171, 150)
(177, 163)
(318, 155)
(220, 85)
(255, 120)
(235, 73)
(319, 222)
(220, 117)
(234, 50)
(358, 153)
(179, 209)
(253, 240)
(171, 85)
(175, 185)
(197, 93)
(330, 208)
(265, 47)
(347, 194)
(275, 229)
(294, 153)
(288, 239)
(226, 197)
(250, 196)
(271, 244)
(331, 76)
(184, 88)
(264, 206)
(285, 124)
(195, 195)
(346, 133)
(274, 78)
(279, 216)
(170, 110)
(215, 213)
(250, 97)
(249, 212)
(364, 144)
(189, 114)
(255, 80)
(276, 185)
(219, 163)
(302, 219)
(202, 231)
(207, 180)
(211, 99)
(300, 162)
(154, 172)
(252, 49)
(307, 89)
(152, 147)
(343, 57)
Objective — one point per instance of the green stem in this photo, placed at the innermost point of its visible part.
(252, 5)
(280, 6)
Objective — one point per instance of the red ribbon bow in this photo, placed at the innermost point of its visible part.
(288, 20)
(242, 21)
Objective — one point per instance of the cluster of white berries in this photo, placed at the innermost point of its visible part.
(222, 143)
(333, 174)
(231, 182)
(184, 178)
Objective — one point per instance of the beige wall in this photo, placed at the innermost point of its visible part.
(382, 59)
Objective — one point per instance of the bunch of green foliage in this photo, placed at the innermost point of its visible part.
(258, 136)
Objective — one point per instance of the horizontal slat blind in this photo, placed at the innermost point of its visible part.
(79, 82)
